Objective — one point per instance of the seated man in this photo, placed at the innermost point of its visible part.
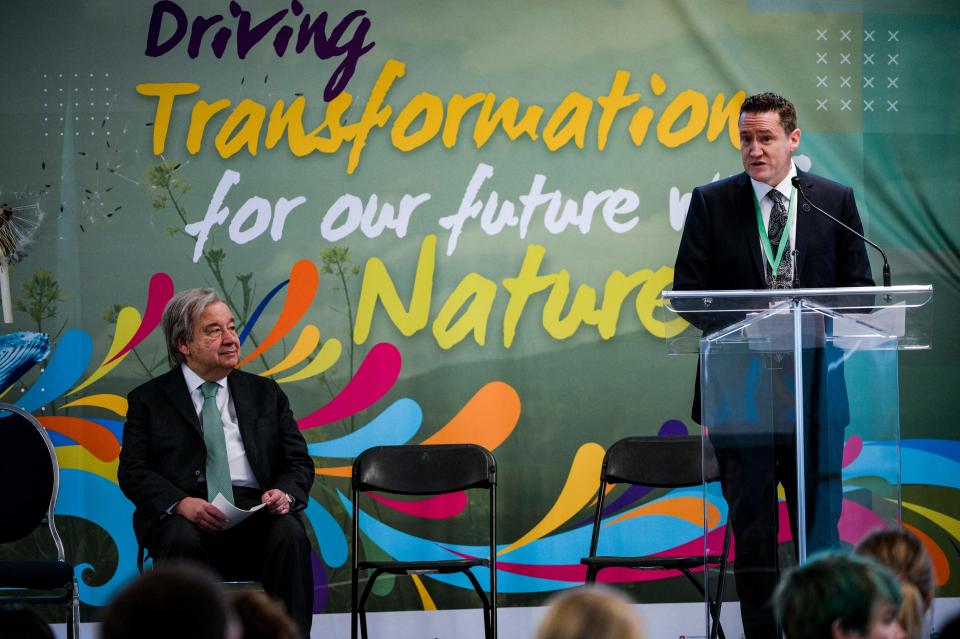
(839, 596)
(204, 428)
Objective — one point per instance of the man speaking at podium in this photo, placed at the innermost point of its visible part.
(750, 232)
(204, 428)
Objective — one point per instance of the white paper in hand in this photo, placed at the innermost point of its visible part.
(234, 515)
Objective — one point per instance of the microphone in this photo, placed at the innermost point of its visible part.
(886, 265)
(796, 271)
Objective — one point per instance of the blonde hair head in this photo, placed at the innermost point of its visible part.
(590, 612)
(904, 554)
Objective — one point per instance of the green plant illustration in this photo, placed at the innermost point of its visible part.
(338, 261)
(41, 295)
(170, 190)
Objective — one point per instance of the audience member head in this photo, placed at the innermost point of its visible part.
(903, 553)
(839, 596)
(176, 600)
(590, 612)
(262, 617)
(18, 622)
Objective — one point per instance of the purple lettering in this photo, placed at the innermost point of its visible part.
(282, 39)
(200, 26)
(161, 8)
(220, 42)
(354, 49)
(247, 38)
(341, 42)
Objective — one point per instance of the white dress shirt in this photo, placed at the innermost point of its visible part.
(766, 206)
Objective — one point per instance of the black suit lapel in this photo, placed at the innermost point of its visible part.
(804, 223)
(246, 409)
(746, 214)
(175, 387)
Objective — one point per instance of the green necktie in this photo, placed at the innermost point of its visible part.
(218, 468)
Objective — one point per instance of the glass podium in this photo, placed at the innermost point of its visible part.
(799, 397)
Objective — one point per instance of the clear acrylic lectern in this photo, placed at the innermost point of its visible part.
(810, 376)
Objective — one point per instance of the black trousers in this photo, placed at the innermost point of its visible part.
(751, 425)
(273, 549)
(751, 466)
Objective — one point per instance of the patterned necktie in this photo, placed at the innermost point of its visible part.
(776, 231)
(218, 468)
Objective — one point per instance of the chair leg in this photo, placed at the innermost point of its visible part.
(717, 629)
(487, 612)
(362, 605)
(591, 575)
(353, 603)
(73, 612)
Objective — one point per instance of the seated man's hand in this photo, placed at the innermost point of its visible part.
(276, 501)
(201, 513)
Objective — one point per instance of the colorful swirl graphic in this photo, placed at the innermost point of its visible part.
(544, 558)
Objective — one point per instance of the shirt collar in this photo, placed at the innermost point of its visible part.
(194, 381)
(785, 187)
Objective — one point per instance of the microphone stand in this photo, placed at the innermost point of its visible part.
(886, 264)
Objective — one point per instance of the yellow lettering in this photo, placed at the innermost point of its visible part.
(290, 122)
(526, 283)
(583, 310)
(649, 300)
(505, 115)
(431, 108)
(726, 116)
(615, 291)
(689, 100)
(568, 122)
(657, 84)
(165, 92)
(457, 107)
(200, 116)
(425, 116)
(249, 117)
(373, 114)
(481, 292)
(377, 285)
(612, 103)
(640, 123)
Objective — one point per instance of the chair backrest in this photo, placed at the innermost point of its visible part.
(660, 462)
(30, 474)
(401, 469)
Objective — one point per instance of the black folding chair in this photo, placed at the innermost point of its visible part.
(425, 470)
(661, 462)
(30, 475)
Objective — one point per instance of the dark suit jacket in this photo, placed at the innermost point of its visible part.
(163, 458)
(720, 246)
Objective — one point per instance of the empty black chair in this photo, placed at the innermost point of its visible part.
(425, 470)
(661, 462)
(30, 475)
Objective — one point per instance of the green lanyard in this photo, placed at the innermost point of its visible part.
(765, 239)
